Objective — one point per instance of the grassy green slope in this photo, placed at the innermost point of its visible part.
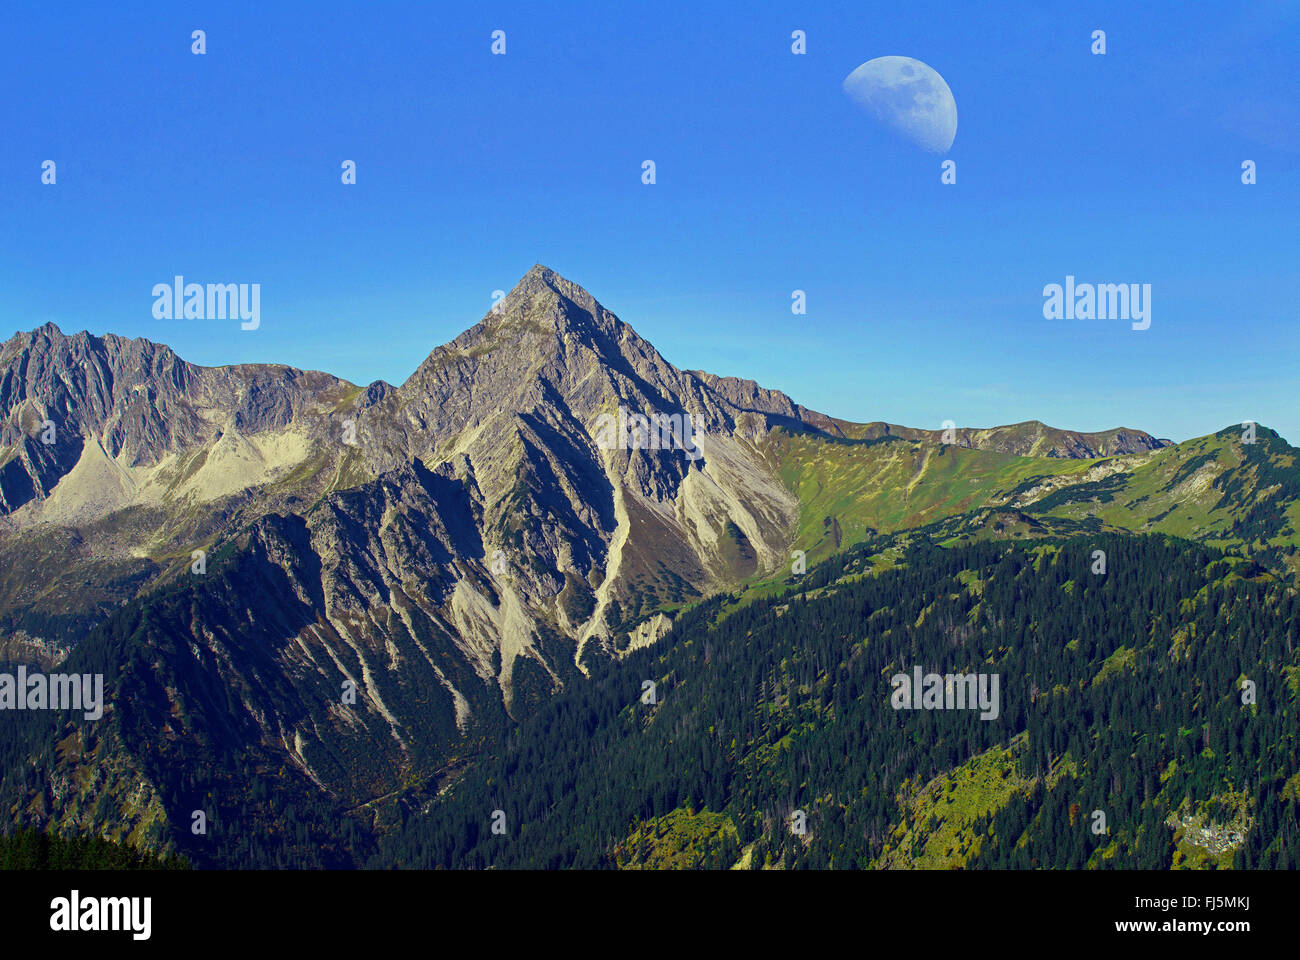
(848, 489)
(1214, 488)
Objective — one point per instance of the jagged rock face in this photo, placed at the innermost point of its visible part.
(115, 411)
(451, 548)
(118, 460)
(519, 398)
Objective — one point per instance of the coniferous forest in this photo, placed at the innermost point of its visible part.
(1120, 693)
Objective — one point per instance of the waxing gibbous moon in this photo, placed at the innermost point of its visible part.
(908, 96)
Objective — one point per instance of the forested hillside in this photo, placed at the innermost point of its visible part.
(33, 850)
(1121, 692)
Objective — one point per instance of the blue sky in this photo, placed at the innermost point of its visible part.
(924, 300)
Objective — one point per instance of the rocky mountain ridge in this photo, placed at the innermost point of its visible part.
(348, 583)
(153, 458)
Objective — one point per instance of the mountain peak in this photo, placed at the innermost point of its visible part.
(25, 338)
(540, 271)
(541, 279)
(542, 304)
